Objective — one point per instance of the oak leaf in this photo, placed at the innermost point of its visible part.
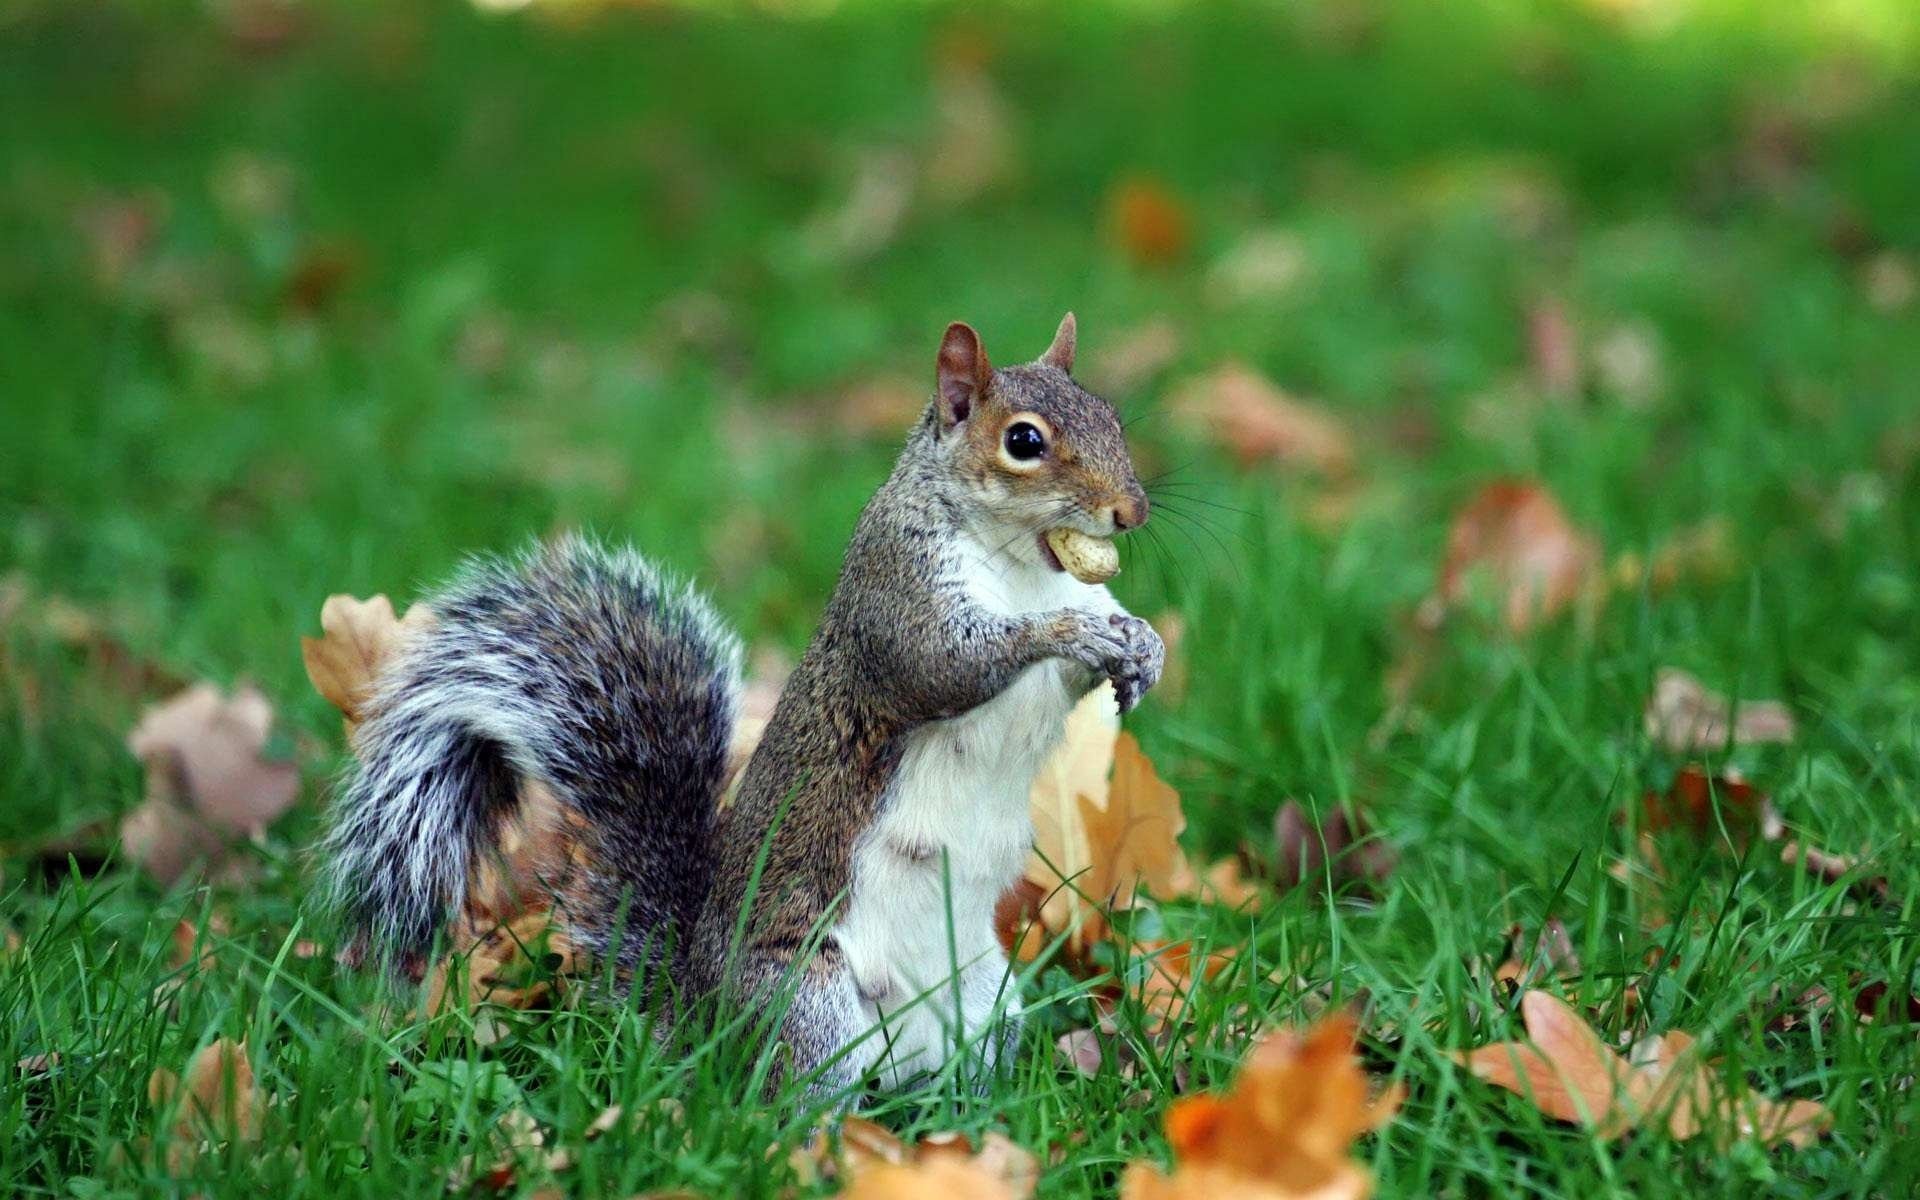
(209, 779)
(1148, 222)
(1516, 537)
(215, 1101)
(1283, 1131)
(1569, 1074)
(358, 638)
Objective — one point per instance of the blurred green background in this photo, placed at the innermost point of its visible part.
(302, 298)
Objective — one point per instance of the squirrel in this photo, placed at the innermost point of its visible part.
(884, 811)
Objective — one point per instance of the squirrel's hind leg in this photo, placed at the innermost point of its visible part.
(824, 1027)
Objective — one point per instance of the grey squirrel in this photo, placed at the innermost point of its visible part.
(884, 811)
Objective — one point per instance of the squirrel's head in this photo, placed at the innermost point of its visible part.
(1035, 449)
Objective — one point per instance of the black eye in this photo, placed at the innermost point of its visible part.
(1025, 442)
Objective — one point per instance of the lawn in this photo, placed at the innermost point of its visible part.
(316, 299)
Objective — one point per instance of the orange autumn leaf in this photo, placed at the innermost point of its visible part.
(937, 1178)
(1136, 837)
(1284, 1130)
(1563, 1068)
(1514, 538)
(1148, 222)
(1097, 840)
(358, 638)
(874, 1161)
(215, 1099)
(1167, 987)
(1569, 1074)
(1699, 802)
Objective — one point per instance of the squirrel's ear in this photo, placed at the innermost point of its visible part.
(964, 373)
(1060, 354)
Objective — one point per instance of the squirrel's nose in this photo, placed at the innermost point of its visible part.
(1130, 513)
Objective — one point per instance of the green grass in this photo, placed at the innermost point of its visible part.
(197, 464)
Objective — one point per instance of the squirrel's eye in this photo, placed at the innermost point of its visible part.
(1025, 442)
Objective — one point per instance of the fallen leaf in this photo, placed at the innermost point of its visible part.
(1515, 535)
(207, 779)
(1080, 1049)
(1256, 422)
(217, 1099)
(1684, 716)
(1136, 837)
(1342, 847)
(1073, 777)
(1283, 1131)
(1563, 1068)
(1699, 801)
(1567, 1072)
(1167, 986)
(358, 638)
(515, 964)
(868, 1155)
(940, 1178)
(1148, 222)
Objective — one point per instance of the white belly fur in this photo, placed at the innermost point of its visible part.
(953, 836)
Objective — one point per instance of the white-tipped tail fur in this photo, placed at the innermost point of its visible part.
(576, 665)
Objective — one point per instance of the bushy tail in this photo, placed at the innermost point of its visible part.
(577, 666)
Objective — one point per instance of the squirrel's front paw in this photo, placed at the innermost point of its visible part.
(1125, 649)
(1139, 668)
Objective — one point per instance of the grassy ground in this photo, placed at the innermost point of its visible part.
(420, 282)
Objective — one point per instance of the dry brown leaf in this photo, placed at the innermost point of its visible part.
(1167, 987)
(216, 1100)
(1515, 535)
(1699, 802)
(1344, 840)
(1563, 1068)
(1225, 885)
(1256, 422)
(518, 964)
(207, 780)
(1283, 1131)
(938, 1178)
(358, 638)
(1684, 716)
(1148, 222)
(1567, 1072)
(868, 1151)
(1136, 837)
(1072, 778)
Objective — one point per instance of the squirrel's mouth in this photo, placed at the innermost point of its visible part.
(1047, 555)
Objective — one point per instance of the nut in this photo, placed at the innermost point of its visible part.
(1088, 559)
